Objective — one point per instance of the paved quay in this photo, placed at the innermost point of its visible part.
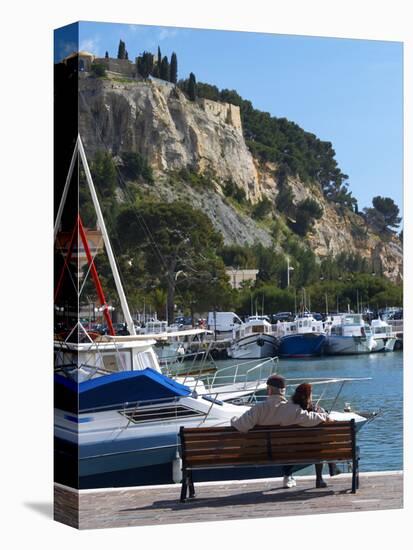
(215, 501)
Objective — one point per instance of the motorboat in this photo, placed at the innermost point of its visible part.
(347, 334)
(383, 335)
(254, 339)
(303, 337)
(122, 429)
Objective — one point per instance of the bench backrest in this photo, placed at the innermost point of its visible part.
(202, 447)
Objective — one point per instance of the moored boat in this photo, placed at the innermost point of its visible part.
(348, 334)
(254, 339)
(303, 337)
(383, 335)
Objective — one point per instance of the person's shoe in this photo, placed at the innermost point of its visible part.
(334, 470)
(289, 482)
(320, 484)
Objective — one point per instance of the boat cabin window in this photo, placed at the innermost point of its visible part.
(157, 413)
(117, 361)
(147, 360)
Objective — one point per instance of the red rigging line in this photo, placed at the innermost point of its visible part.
(80, 229)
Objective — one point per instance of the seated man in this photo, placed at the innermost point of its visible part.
(277, 410)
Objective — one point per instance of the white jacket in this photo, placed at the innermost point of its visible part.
(277, 411)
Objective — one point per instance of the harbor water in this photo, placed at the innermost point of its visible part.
(381, 440)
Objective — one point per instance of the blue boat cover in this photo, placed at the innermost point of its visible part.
(115, 390)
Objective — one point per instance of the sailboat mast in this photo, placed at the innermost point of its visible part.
(111, 257)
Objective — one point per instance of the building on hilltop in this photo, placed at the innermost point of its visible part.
(84, 60)
(123, 67)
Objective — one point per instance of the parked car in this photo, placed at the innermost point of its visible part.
(282, 316)
(183, 321)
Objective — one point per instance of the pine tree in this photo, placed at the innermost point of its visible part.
(159, 60)
(106, 55)
(145, 64)
(164, 72)
(126, 54)
(192, 87)
(121, 50)
(174, 68)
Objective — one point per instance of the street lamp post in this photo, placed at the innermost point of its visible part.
(288, 271)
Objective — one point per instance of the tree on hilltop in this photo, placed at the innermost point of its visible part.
(145, 64)
(106, 55)
(174, 69)
(192, 91)
(159, 60)
(389, 209)
(164, 70)
(384, 216)
(121, 50)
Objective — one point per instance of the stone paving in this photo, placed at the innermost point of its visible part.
(225, 501)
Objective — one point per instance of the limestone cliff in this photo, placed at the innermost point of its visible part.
(155, 119)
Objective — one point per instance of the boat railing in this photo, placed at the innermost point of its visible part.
(320, 388)
(233, 376)
(198, 363)
(168, 409)
(396, 326)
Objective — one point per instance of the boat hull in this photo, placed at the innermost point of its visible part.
(255, 346)
(130, 469)
(302, 345)
(385, 344)
(349, 345)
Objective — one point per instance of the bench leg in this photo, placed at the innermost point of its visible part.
(191, 486)
(354, 478)
(358, 477)
(184, 486)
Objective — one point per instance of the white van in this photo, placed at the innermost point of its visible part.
(223, 321)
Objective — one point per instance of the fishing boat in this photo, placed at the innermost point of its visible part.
(348, 334)
(303, 337)
(254, 339)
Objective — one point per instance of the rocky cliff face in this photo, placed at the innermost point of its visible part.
(156, 120)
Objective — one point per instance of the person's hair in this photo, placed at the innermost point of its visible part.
(301, 396)
(276, 381)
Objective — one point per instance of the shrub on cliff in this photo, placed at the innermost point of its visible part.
(135, 167)
(307, 211)
(261, 209)
(232, 190)
(98, 69)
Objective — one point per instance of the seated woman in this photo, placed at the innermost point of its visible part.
(303, 396)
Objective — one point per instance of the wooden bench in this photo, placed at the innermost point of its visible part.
(225, 447)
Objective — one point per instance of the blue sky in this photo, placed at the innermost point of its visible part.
(349, 92)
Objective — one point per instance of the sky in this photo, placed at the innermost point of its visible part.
(346, 91)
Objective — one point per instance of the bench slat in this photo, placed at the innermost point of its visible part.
(330, 426)
(262, 441)
(275, 450)
(282, 458)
